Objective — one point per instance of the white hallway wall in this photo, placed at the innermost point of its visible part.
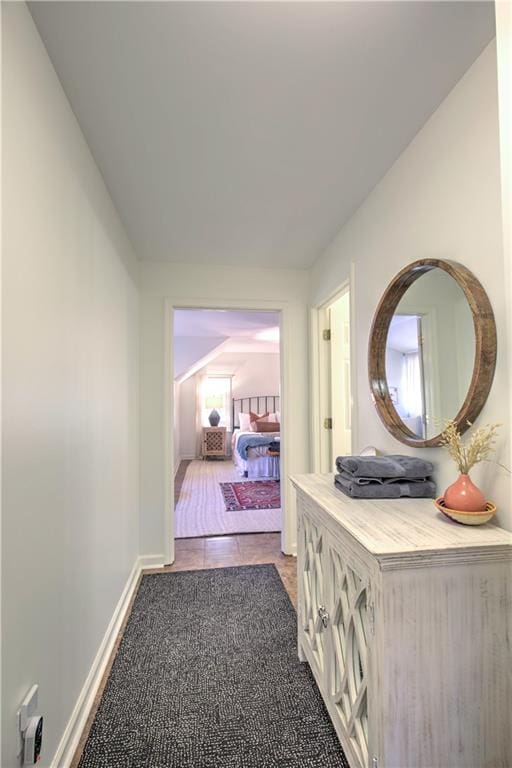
(440, 199)
(70, 394)
(159, 281)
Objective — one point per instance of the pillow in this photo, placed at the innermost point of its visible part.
(273, 417)
(265, 426)
(258, 416)
(244, 419)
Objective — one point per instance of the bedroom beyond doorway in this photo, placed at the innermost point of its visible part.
(227, 430)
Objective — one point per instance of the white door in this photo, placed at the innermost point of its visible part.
(341, 396)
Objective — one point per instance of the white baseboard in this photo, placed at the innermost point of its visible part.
(151, 561)
(73, 731)
(187, 457)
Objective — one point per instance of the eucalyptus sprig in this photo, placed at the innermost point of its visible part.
(480, 447)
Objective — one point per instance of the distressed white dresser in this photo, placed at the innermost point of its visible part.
(404, 618)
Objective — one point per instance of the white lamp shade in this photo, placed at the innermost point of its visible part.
(214, 401)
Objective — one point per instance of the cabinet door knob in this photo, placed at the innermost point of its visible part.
(323, 616)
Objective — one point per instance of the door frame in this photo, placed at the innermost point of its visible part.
(287, 533)
(319, 382)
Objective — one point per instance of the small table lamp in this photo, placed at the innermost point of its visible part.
(214, 402)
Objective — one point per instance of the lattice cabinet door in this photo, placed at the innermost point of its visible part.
(311, 591)
(214, 441)
(350, 629)
(381, 588)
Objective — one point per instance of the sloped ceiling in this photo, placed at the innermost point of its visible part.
(188, 350)
(224, 323)
(208, 336)
(248, 133)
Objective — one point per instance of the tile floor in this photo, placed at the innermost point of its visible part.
(239, 549)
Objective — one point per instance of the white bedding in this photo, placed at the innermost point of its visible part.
(258, 463)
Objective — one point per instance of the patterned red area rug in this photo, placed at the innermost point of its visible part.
(252, 494)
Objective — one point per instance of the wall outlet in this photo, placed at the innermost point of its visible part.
(25, 712)
(33, 739)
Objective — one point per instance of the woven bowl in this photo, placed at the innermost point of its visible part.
(467, 518)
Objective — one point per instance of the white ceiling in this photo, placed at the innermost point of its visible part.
(247, 133)
(205, 336)
(223, 322)
(232, 364)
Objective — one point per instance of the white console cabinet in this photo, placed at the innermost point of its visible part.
(405, 620)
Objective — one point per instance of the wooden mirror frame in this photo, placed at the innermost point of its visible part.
(485, 348)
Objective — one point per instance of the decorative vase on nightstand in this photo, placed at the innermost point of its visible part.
(214, 418)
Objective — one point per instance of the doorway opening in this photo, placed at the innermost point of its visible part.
(332, 381)
(227, 422)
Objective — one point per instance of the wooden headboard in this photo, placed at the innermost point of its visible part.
(256, 404)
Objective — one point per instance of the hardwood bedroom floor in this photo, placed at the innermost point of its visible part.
(179, 478)
(200, 509)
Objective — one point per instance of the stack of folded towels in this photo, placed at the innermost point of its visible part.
(385, 477)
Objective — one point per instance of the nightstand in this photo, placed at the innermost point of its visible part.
(214, 442)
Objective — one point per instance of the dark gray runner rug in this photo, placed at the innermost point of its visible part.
(207, 676)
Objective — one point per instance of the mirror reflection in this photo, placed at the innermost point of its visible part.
(430, 353)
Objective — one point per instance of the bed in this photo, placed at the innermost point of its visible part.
(256, 455)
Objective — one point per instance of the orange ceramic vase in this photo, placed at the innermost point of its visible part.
(464, 496)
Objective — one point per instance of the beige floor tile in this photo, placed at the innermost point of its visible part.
(263, 549)
(223, 561)
(259, 558)
(227, 544)
(187, 561)
(189, 545)
(246, 539)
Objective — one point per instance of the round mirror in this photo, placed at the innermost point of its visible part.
(432, 351)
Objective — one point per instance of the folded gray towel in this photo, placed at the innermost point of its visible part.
(383, 480)
(385, 467)
(392, 490)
